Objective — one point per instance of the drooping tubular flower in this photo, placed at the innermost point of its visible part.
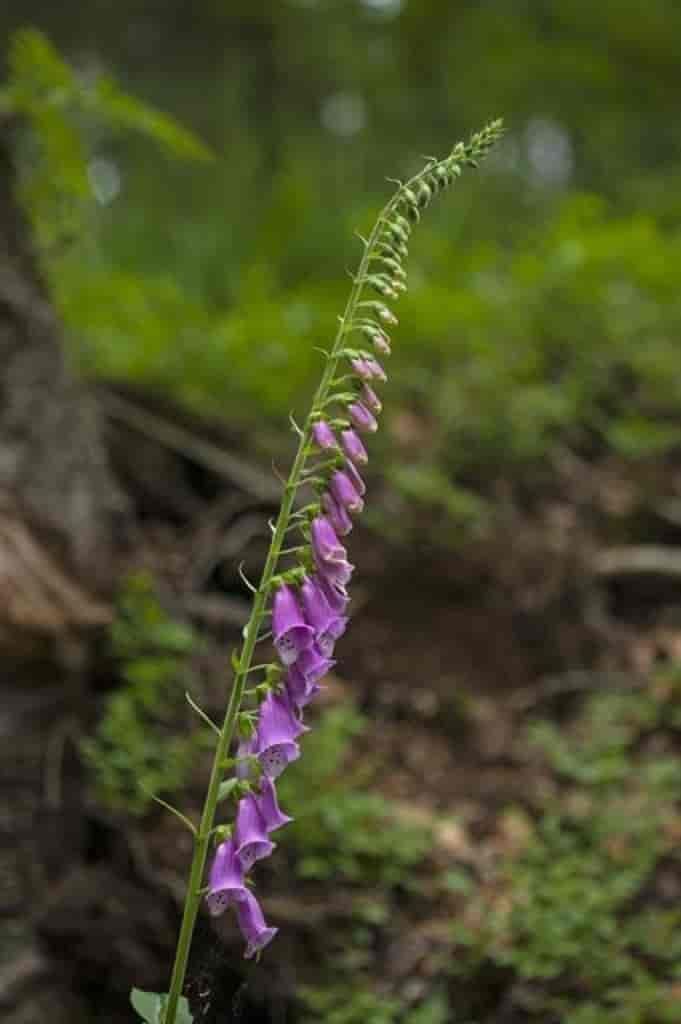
(276, 737)
(314, 665)
(335, 593)
(268, 806)
(252, 925)
(327, 624)
(300, 689)
(309, 602)
(290, 631)
(226, 881)
(250, 835)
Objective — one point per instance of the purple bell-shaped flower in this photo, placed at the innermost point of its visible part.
(268, 806)
(361, 417)
(250, 836)
(335, 593)
(290, 631)
(353, 447)
(344, 492)
(252, 925)
(339, 572)
(278, 730)
(300, 690)
(328, 624)
(338, 517)
(226, 879)
(314, 665)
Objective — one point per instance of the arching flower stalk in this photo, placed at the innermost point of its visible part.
(308, 600)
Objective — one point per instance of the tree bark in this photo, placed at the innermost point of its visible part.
(61, 510)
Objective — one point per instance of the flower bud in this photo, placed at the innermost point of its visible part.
(323, 435)
(356, 479)
(381, 343)
(387, 316)
(376, 369)
(425, 194)
(345, 493)
(361, 367)
(441, 176)
(360, 415)
(370, 399)
(353, 447)
(325, 544)
(338, 517)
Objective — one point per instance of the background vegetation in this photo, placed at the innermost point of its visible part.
(544, 299)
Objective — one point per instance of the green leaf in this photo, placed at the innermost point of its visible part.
(150, 1006)
(183, 1016)
(114, 104)
(147, 1004)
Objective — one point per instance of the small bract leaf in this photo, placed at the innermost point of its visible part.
(226, 788)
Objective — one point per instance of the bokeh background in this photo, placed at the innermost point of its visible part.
(489, 808)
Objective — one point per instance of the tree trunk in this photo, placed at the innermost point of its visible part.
(61, 510)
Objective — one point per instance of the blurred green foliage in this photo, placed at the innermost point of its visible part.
(583, 923)
(543, 305)
(67, 112)
(341, 831)
(141, 746)
(340, 1005)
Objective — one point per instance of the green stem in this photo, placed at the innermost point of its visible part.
(202, 839)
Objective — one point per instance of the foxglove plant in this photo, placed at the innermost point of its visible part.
(303, 607)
